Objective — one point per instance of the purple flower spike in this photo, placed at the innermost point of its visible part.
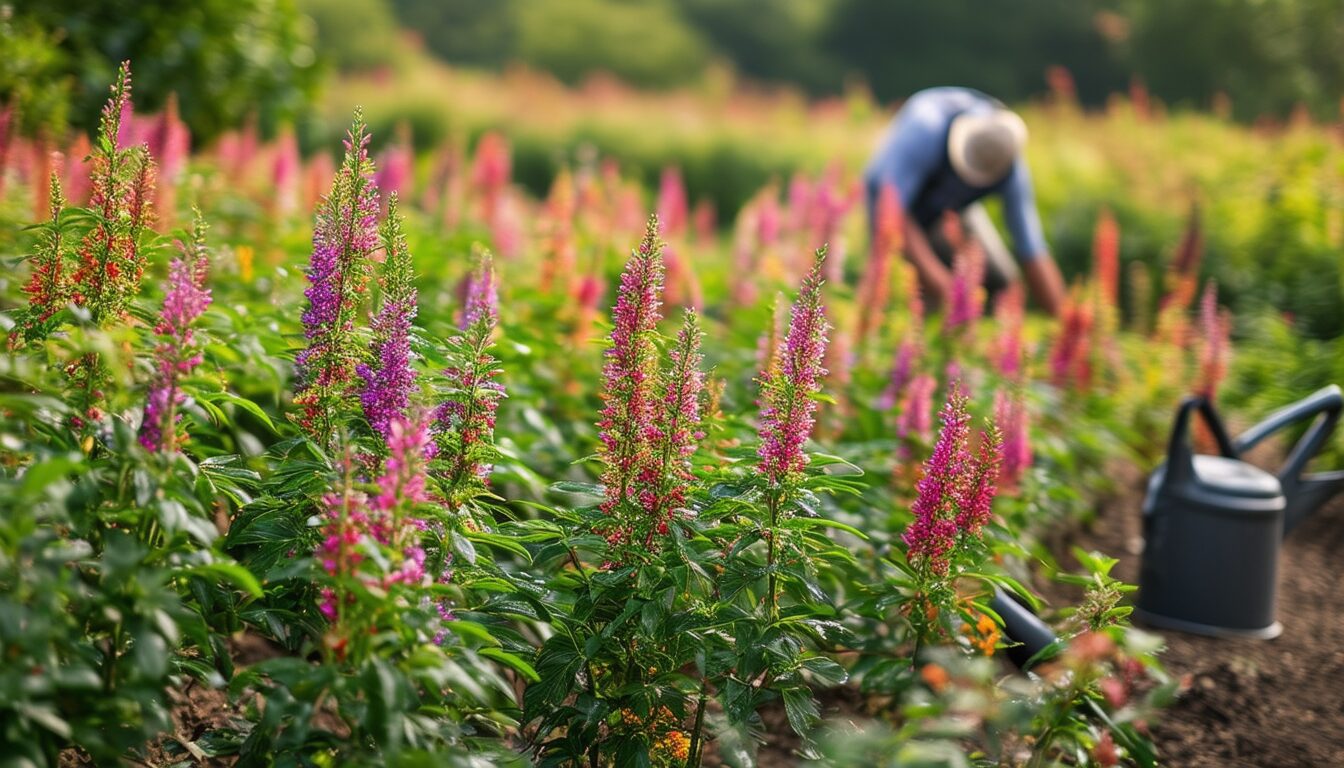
(345, 235)
(390, 380)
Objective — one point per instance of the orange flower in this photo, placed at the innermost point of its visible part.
(935, 677)
(676, 745)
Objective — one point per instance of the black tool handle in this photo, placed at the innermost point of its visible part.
(1180, 459)
(1325, 405)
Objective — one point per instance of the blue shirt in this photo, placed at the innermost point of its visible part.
(913, 158)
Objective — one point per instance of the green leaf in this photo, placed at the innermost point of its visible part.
(245, 404)
(800, 709)
(803, 523)
(233, 573)
(512, 661)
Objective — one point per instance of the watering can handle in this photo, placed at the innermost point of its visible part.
(1325, 405)
(1180, 459)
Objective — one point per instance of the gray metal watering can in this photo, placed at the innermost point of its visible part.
(1212, 525)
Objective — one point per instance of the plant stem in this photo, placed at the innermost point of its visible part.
(693, 754)
(772, 503)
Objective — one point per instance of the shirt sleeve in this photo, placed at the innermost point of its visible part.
(1019, 213)
(911, 153)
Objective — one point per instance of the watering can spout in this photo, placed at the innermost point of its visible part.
(1305, 493)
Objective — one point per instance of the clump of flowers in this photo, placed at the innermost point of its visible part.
(983, 635)
(649, 424)
(954, 496)
(389, 379)
(465, 420)
(176, 355)
(343, 239)
(358, 526)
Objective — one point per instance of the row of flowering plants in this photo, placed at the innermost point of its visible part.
(381, 498)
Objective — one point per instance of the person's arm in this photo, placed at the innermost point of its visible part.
(1024, 224)
(934, 278)
(911, 153)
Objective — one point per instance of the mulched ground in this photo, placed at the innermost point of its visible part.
(1268, 704)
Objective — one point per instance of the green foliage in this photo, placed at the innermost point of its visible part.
(225, 60)
(354, 35)
(33, 78)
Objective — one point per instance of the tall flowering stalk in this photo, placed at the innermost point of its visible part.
(1070, 357)
(916, 419)
(952, 507)
(48, 286)
(1214, 347)
(1008, 353)
(673, 208)
(1010, 414)
(344, 237)
(389, 379)
(875, 289)
(788, 406)
(465, 420)
(111, 263)
(177, 353)
(966, 300)
(630, 392)
(678, 428)
(1106, 258)
(904, 365)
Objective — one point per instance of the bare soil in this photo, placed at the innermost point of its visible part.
(1262, 703)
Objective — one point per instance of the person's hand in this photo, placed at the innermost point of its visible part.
(934, 277)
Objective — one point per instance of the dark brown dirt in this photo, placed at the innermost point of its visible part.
(1263, 704)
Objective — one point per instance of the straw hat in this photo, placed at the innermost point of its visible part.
(983, 146)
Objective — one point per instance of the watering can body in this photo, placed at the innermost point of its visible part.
(1213, 524)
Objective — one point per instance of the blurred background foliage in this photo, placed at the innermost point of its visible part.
(738, 93)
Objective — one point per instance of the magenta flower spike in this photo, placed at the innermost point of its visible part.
(176, 355)
(1213, 353)
(482, 295)
(673, 208)
(966, 303)
(956, 492)
(916, 419)
(788, 404)
(629, 376)
(902, 373)
(389, 380)
(678, 424)
(1010, 414)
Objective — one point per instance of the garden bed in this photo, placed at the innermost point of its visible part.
(1250, 703)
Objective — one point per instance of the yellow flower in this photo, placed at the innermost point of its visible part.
(245, 255)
